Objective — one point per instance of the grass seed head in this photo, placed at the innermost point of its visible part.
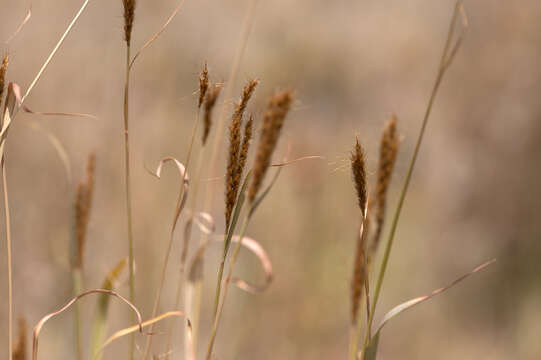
(273, 119)
(129, 14)
(210, 102)
(83, 204)
(3, 70)
(19, 351)
(359, 175)
(387, 157)
(203, 85)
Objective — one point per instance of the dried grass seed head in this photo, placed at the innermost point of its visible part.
(83, 205)
(359, 175)
(273, 119)
(129, 14)
(19, 351)
(232, 180)
(210, 101)
(203, 84)
(387, 158)
(359, 276)
(3, 71)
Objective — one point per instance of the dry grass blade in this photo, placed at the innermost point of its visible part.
(181, 201)
(132, 329)
(302, 158)
(100, 320)
(3, 70)
(21, 25)
(41, 323)
(157, 34)
(55, 49)
(448, 54)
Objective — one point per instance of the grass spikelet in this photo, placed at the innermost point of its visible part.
(3, 70)
(359, 175)
(387, 158)
(246, 141)
(359, 276)
(129, 14)
(273, 120)
(203, 85)
(210, 102)
(19, 351)
(234, 166)
(232, 181)
(83, 204)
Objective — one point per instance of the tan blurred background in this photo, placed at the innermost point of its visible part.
(474, 195)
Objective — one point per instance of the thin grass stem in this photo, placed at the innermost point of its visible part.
(9, 255)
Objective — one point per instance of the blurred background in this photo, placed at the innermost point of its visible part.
(474, 194)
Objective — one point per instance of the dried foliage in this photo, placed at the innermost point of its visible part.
(203, 85)
(129, 14)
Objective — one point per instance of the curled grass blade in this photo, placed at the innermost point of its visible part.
(100, 321)
(43, 321)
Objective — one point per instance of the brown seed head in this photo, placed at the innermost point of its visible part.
(203, 84)
(387, 158)
(83, 204)
(129, 13)
(360, 274)
(210, 101)
(359, 174)
(247, 93)
(246, 140)
(232, 180)
(19, 351)
(273, 120)
(3, 70)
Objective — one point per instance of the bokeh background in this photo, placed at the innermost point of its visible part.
(474, 195)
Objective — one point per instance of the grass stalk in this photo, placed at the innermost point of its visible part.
(9, 256)
(77, 288)
(448, 54)
(128, 194)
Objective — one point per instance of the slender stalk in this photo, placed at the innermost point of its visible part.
(171, 236)
(445, 62)
(232, 263)
(10, 265)
(128, 194)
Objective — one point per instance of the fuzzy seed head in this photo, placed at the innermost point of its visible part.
(19, 351)
(203, 85)
(210, 102)
(129, 14)
(273, 120)
(360, 274)
(83, 204)
(359, 175)
(387, 157)
(233, 176)
(3, 70)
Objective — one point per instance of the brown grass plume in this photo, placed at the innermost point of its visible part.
(273, 120)
(359, 175)
(360, 275)
(129, 14)
(19, 351)
(203, 84)
(387, 158)
(210, 102)
(83, 204)
(237, 159)
(3, 70)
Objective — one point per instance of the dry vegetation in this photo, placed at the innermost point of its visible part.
(247, 185)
